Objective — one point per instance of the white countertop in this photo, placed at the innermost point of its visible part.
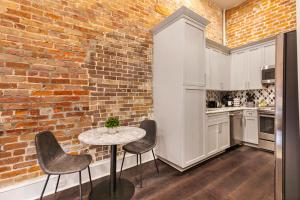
(228, 109)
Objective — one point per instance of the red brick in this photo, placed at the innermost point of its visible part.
(84, 92)
(60, 81)
(63, 92)
(13, 173)
(17, 65)
(24, 164)
(18, 13)
(11, 160)
(12, 146)
(42, 93)
(4, 169)
(38, 80)
(8, 139)
(19, 152)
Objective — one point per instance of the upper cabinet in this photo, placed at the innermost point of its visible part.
(194, 50)
(246, 64)
(237, 69)
(268, 53)
(217, 68)
(238, 73)
(254, 64)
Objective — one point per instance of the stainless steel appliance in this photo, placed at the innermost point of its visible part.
(287, 177)
(266, 128)
(236, 128)
(268, 74)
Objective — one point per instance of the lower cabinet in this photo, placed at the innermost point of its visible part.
(217, 133)
(194, 121)
(250, 126)
(224, 135)
(212, 138)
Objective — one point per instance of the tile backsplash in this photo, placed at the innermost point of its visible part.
(267, 94)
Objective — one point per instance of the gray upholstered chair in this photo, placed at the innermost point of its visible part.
(143, 145)
(54, 161)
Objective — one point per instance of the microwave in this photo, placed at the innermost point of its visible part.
(268, 74)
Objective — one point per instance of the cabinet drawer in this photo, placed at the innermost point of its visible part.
(219, 117)
(250, 113)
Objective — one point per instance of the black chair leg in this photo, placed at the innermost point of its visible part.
(80, 187)
(122, 163)
(45, 186)
(89, 170)
(57, 183)
(141, 172)
(155, 162)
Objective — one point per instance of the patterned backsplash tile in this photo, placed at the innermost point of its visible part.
(267, 94)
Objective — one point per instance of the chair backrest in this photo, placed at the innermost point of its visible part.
(150, 127)
(47, 148)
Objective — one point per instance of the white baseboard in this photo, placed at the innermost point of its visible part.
(31, 189)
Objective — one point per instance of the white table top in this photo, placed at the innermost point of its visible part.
(100, 136)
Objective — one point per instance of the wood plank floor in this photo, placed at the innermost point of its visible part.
(244, 173)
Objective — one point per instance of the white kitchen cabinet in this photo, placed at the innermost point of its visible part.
(179, 88)
(217, 133)
(224, 135)
(218, 70)
(194, 150)
(238, 71)
(214, 75)
(255, 62)
(225, 72)
(246, 65)
(250, 126)
(268, 53)
(194, 55)
(212, 138)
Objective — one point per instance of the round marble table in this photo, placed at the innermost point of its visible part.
(120, 189)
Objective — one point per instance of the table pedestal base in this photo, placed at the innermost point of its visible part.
(124, 191)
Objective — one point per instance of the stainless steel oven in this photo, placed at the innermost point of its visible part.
(268, 74)
(266, 126)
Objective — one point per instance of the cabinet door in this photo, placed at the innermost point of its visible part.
(225, 72)
(255, 62)
(251, 130)
(211, 138)
(194, 60)
(207, 68)
(224, 136)
(269, 54)
(214, 69)
(194, 116)
(238, 71)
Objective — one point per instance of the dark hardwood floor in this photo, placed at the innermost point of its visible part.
(244, 173)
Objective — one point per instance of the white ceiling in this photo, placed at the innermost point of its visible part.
(227, 4)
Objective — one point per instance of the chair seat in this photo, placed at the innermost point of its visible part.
(66, 164)
(138, 147)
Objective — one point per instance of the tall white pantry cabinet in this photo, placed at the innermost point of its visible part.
(179, 88)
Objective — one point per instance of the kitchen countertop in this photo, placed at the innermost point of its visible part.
(228, 109)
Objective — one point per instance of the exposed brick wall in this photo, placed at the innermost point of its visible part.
(257, 19)
(66, 65)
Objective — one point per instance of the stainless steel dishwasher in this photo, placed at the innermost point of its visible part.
(236, 128)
